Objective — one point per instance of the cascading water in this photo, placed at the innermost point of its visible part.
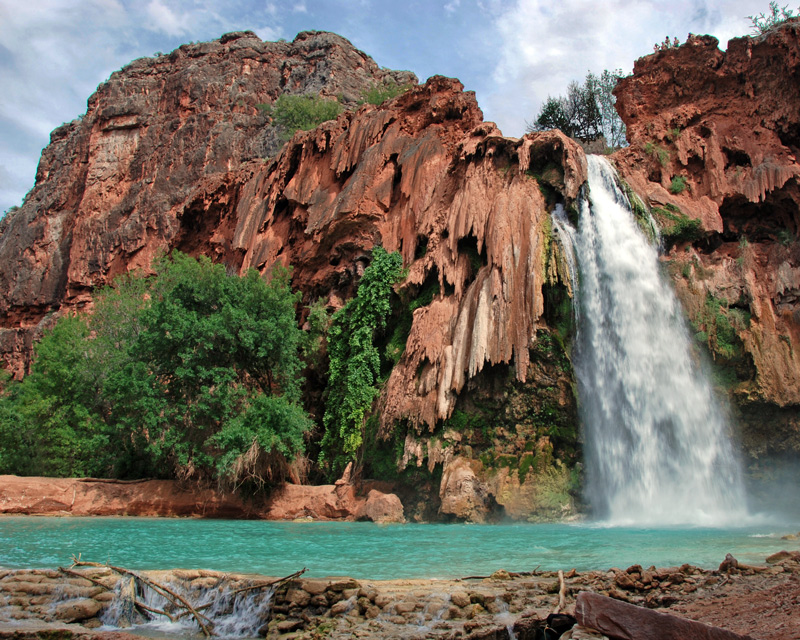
(657, 449)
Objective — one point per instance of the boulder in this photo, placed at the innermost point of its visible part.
(382, 507)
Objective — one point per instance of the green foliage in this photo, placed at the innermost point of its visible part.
(776, 16)
(718, 325)
(586, 112)
(640, 213)
(785, 237)
(185, 372)
(380, 92)
(678, 185)
(301, 113)
(355, 362)
(676, 226)
(656, 150)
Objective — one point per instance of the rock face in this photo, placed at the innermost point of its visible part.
(153, 166)
(166, 498)
(170, 155)
(163, 160)
(714, 139)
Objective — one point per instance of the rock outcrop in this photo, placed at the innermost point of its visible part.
(174, 153)
(714, 140)
(164, 159)
(154, 165)
(167, 498)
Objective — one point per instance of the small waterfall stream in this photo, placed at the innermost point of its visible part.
(656, 441)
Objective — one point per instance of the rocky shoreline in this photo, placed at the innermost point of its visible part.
(167, 498)
(756, 601)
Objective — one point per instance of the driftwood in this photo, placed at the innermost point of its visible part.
(206, 625)
(272, 583)
(562, 593)
(114, 481)
(623, 621)
(184, 607)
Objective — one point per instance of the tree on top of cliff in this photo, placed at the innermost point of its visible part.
(586, 112)
(292, 113)
(764, 22)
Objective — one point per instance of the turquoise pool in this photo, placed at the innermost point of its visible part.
(367, 550)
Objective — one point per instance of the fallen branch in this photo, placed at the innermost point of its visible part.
(69, 572)
(113, 481)
(562, 593)
(206, 625)
(142, 605)
(272, 583)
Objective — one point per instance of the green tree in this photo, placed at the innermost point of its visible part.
(50, 423)
(355, 362)
(210, 345)
(586, 112)
(190, 373)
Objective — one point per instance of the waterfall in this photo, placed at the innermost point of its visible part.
(657, 450)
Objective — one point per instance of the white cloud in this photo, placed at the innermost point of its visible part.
(545, 45)
(164, 19)
(300, 7)
(451, 6)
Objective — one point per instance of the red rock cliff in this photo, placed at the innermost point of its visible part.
(160, 138)
(714, 137)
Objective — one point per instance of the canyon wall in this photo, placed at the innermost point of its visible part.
(477, 419)
(714, 138)
(175, 153)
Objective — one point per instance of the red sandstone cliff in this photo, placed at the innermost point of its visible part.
(728, 123)
(153, 165)
(170, 156)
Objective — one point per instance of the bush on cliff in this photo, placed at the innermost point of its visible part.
(292, 113)
(189, 373)
(355, 362)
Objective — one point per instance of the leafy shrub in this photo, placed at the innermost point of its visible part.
(777, 15)
(295, 113)
(678, 185)
(676, 226)
(380, 92)
(656, 150)
(355, 362)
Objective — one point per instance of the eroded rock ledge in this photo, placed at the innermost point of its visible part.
(88, 497)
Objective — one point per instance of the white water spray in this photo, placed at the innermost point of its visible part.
(657, 448)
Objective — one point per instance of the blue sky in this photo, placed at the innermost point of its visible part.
(513, 54)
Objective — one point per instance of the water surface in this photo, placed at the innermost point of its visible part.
(367, 550)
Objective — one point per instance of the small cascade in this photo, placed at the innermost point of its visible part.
(232, 613)
(506, 618)
(567, 239)
(656, 440)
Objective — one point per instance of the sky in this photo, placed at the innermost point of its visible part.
(512, 53)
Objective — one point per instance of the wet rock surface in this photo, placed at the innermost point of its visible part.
(713, 152)
(759, 601)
